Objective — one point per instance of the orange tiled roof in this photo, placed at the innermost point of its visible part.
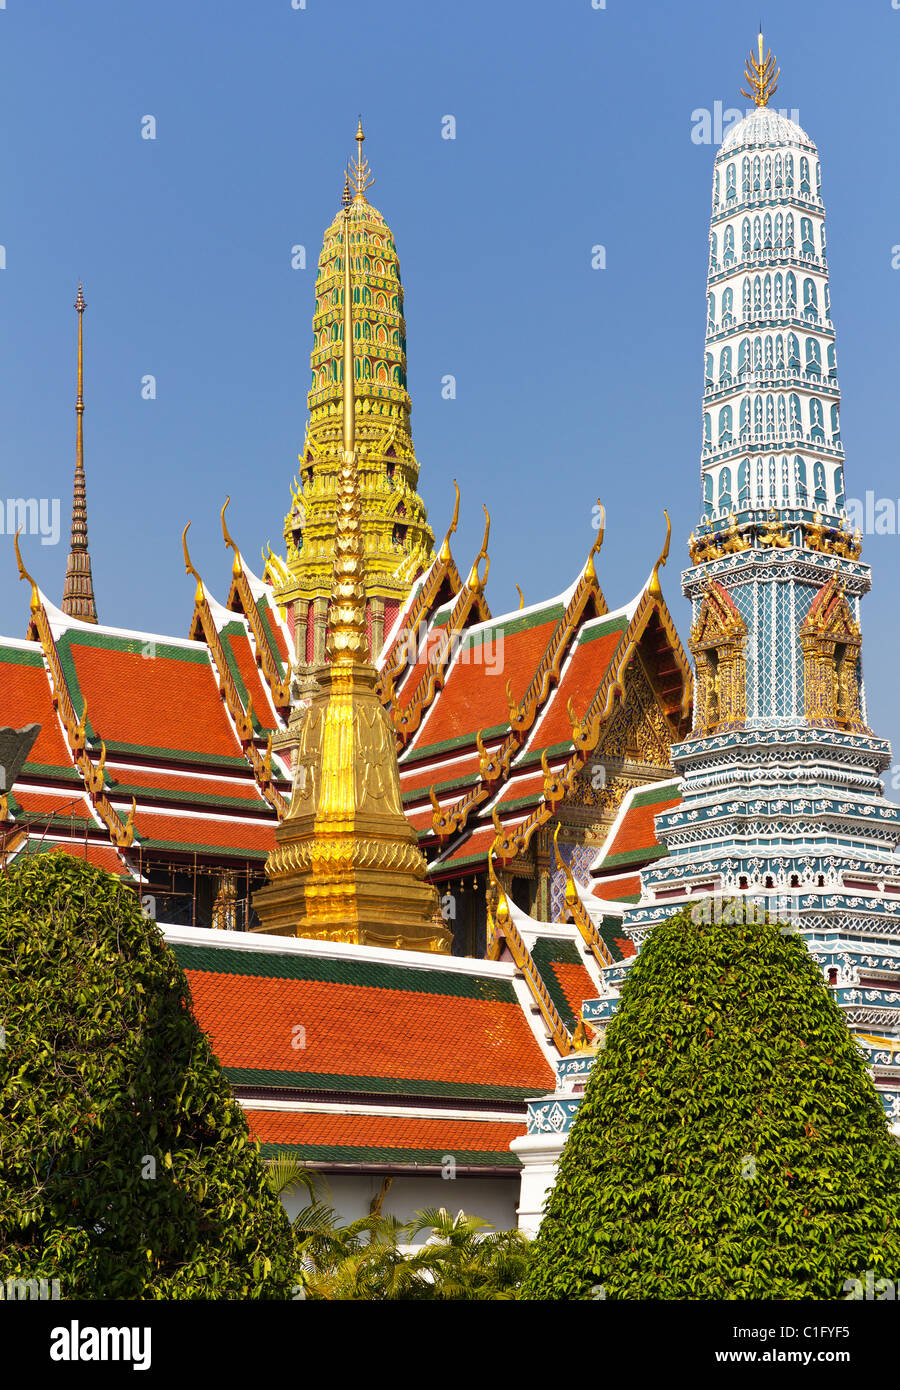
(363, 1026)
(398, 1138)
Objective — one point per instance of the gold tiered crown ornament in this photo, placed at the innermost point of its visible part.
(347, 866)
(762, 76)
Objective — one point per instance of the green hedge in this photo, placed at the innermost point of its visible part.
(730, 1143)
(106, 1079)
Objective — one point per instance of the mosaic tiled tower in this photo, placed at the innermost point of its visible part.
(782, 807)
(397, 538)
(781, 790)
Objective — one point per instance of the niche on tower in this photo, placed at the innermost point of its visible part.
(831, 643)
(718, 640)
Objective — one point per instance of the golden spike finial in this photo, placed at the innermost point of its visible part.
(589, 568)
(236, 566)
(653, 587)
(762, 75)
(473, 580)
(521, 598)
(358, 172)
(188, 566)
(23, 573)
(444, 553)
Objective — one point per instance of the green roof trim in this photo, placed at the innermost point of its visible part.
(461, 741)
(419, 792)
(189, 847)
(262, 608)
(407, 1158)
(274, 965)
(174, 755)
(657, 791)
(589, 633)
(374, 1085)
(238, 803)
(51, 771)
(634, 856)
(16, 656)
(133, 646)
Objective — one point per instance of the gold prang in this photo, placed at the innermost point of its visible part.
(762, 76)
(347, 866)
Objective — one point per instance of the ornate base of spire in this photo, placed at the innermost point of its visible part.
(347, 866)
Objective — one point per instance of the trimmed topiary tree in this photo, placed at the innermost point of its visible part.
(126, 1169)
(730, 1143)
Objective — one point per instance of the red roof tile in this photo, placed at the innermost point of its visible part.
(158, 701)
(474, 696)
(401, 1132)
(364, 1031)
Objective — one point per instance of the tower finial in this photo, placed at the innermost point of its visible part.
(359, 172)
(78, 591)
(761, 74)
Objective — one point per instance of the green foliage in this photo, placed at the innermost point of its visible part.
(104, 1075)
(462, 1259)
(730, 1143)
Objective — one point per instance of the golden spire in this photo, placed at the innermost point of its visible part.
(347, 640)
(346, 864)
(78, 591)
(762, 76)
(359, 172)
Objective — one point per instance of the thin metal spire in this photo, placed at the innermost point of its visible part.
(78, 591)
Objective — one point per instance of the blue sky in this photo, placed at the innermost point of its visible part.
(573, 129)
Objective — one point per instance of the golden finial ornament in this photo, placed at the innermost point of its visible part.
(358, 170)
(445, 546)
(23, 573)
(474, 581)
(653, 588)
(521, 598)
(188, 564)
(762, 76)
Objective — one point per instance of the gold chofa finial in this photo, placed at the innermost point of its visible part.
(762, 76)
(359, 173)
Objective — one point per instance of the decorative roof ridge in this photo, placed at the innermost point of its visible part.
(73, 727)
(242, 578)
(424, 590)
(406, 721)
(242, 719)
(503, 926)
(586, 729)
(334, 950)
(61, 622)
(21, 644)
(494, 769)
